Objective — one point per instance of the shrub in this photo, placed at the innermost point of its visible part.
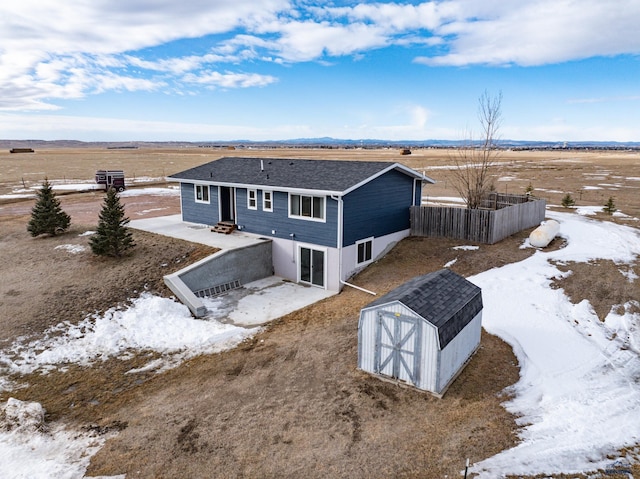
(47, 217)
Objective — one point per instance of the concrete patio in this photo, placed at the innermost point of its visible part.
(174, 227)
(252, 304)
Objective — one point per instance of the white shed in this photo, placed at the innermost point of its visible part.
(422, 333)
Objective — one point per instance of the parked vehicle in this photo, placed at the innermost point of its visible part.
(111, 179)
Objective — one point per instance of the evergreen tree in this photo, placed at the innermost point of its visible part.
(529, 189)
(112, 237)
(610, 206)
(47, 217)
(568, 201)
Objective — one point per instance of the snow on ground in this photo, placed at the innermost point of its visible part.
(579, 389)
(150, 323)
(466, 248)
(30, 450)
(577, 397)
(442, 200)
(61, 185)
(72, 248)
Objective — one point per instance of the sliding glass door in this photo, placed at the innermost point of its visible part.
(312, 266)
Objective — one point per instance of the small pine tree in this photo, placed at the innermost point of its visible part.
(610, 206)
(568, 201)
(112, 237)
(529, 189)
(47, 217)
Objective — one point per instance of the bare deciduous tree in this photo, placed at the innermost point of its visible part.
(474, 161)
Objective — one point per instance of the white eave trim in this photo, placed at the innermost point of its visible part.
(284, 189)
(396, 166)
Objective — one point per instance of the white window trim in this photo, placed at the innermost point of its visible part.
(195, 194)
(254, 198)
(309, 218)
(264, 201)
(362, 241)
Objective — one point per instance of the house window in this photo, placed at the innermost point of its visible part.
(267, 201)
(252, 199)
(307, 207)
(364, 251)
(202, 193)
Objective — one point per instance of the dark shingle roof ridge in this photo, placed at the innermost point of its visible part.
(415, 287)
(327, 175)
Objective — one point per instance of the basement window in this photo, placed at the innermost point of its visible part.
(364, 251)
(202, 193)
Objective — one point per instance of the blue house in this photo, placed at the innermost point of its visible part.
(327, 219)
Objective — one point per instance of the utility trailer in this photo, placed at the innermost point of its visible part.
(110, 179)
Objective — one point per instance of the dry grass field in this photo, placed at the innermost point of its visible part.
(591, 177)
(290, 402)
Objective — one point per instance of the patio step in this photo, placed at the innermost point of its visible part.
(218, 289)
(224, 227)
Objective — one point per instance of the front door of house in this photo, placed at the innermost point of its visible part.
(227, 204)
(311, 266)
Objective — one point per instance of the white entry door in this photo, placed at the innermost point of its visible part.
(312, 266)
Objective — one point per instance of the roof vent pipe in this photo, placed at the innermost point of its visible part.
(261, 165)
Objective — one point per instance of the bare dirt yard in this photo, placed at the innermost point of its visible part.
(290, 402)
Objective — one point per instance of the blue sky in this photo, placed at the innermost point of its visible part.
(206, 70)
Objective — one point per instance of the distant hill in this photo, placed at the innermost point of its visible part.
(324, 142)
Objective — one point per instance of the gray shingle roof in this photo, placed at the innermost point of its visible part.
(443, 298)
(322, 175)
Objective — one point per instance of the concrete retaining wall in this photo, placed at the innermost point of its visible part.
(247, 264)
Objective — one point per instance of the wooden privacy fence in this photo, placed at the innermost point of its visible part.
(515, 213)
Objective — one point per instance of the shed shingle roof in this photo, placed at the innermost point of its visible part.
(443, 298)
(323, 175)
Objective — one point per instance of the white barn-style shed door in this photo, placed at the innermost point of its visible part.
(397, 351)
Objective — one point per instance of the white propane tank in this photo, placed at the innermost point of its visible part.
(543, 234)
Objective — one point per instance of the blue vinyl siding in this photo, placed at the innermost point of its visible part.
(417, 201)
(264, 222)
(378, 208)
(201, 213)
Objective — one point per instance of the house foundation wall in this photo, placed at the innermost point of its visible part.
(381, 246)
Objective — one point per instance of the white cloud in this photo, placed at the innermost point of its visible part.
(230, 80)
(51, 50)
(538, 32)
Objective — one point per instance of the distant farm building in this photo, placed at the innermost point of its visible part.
(21, 150)
(422, 333)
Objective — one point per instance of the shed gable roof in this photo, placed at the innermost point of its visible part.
(323, 175)
(443, 298)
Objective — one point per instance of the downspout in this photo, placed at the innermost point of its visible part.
(340, 238)
(338, 198)
(413, 193)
